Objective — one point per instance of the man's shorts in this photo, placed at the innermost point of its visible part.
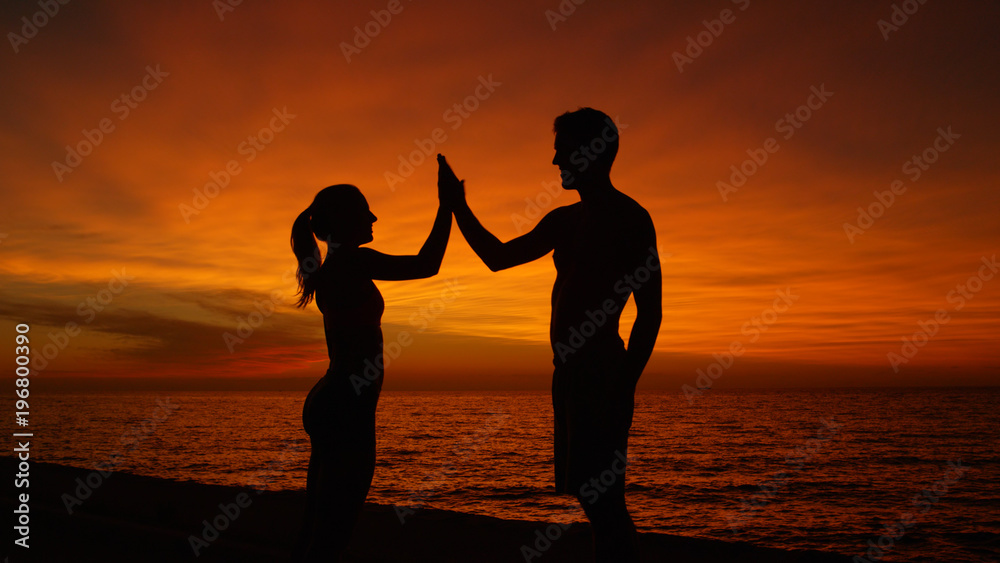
(593, 403)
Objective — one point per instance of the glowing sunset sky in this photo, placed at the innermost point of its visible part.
(211, 83)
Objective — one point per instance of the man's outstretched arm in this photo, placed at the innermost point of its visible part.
(495, 254)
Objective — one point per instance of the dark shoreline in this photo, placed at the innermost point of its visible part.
(136, 518)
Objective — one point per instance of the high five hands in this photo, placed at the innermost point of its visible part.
(451, 190)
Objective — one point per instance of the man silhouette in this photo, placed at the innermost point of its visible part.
(604, 250)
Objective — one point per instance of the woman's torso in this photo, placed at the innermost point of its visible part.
(352, 309)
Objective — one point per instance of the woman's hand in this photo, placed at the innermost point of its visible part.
(451, 190)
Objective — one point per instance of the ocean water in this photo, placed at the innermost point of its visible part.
(803, 469)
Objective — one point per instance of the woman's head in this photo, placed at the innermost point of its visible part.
(339, 215)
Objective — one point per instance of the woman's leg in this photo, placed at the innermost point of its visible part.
(341, 468)
(349, 476)
(328, 528)
(310, 413)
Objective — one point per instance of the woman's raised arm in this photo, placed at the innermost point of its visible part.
(425, 263)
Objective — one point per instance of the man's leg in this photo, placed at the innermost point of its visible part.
(604, 504)
(598, 407)
(600, 445)
(560, 434)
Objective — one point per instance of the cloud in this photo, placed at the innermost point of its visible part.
(120, 208)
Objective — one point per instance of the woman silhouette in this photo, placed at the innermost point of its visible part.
(339, 413)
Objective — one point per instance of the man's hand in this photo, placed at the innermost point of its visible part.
(451, 190)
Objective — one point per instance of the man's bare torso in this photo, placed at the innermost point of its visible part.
(598, 248)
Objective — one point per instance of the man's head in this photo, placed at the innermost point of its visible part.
(586, 144)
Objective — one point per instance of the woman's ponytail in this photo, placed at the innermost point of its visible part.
(318, 221)
(307, 253)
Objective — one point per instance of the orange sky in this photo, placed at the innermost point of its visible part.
(724, 257)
